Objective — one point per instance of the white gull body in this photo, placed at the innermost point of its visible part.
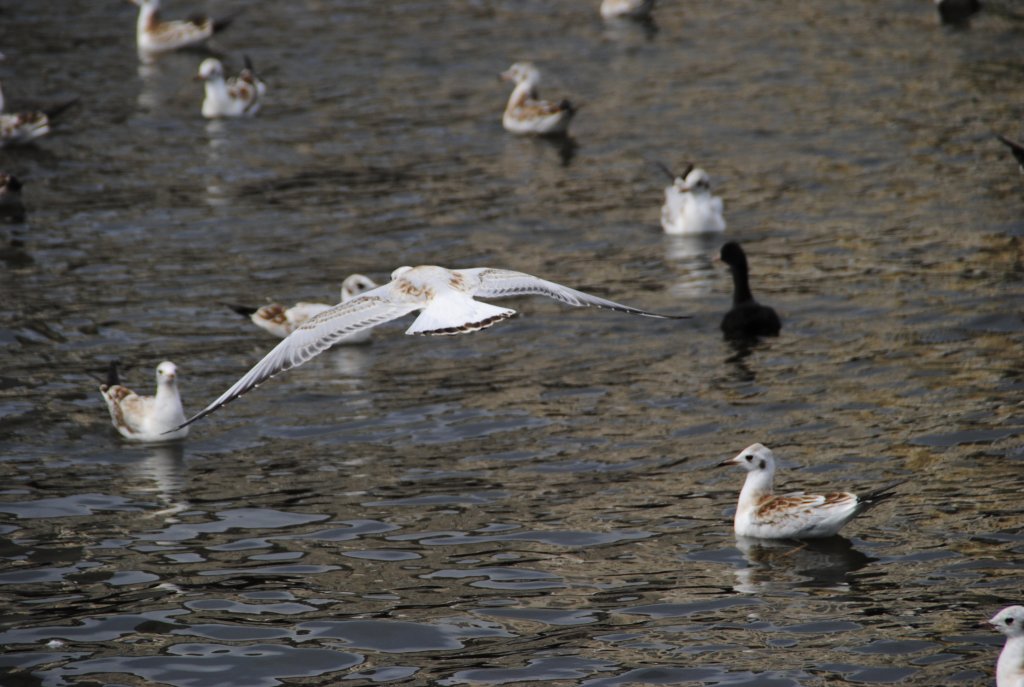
(626, 8)
(153, 36)
(445, 299)
(1010, 666)
(237, 96)
(282, 321)
(525, 112)
(146, 418)
(762, 514)
(690, 208)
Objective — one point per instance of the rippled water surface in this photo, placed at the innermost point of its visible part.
(535, 503)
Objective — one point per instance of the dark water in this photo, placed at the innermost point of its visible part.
(533, 504)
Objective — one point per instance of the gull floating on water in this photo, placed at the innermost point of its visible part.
(747, 319)
(155, 36)
(1010, 667)
(689, 206)
(19, 128)
(626, 8)
(281, 321)
(237, 96)
(526, 113)
(445, 299)
(762, 514)
(146, 418)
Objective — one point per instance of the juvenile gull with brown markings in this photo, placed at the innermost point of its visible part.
(154, 36)
(146, 418)
(444, 298)
(525, 112)
(762, 514)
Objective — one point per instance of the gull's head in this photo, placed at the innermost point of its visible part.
(696, 180)
(1010, 621)
(354, 285)
(522, 72)
(211, 68)
(399, 272)
(754, 458)
(166, 372)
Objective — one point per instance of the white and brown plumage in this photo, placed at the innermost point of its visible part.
(525, 112)
(762, 514)
(19, 128)
(445, 299)
(146, 418)
(1010, 666)
(281, 321)
(689, 207)
(153, 36)
(634, 9)
(237, 96)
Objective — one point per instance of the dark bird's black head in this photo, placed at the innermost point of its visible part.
(733, 256)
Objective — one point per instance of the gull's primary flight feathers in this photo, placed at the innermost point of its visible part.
(146, 418)
(1010, 667)
(445, 298)
(762, 514)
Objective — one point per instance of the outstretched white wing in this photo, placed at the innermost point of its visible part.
(494, 283)
(315, 336)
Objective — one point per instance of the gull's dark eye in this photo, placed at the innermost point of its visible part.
(1009, 621)
(748, 457)
(761, 465)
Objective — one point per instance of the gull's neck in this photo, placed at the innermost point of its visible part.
(217, 89)
(521, 93)
(167, 392)
(1010, 667)
(757, 485)
(149, 17)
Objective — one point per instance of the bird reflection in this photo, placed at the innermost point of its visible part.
(566, 146)
(694, 255)
(148, 99)
(163, 469)
(352, 363)
(781, 564)
(217, 154)
(621, 28)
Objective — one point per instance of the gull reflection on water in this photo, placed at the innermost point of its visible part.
(781, 564)
(696, 256)
(162, 472)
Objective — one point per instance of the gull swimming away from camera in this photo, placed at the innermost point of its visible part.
(445, 299)
(146, 418)
(689, 207)
(762, 514)
(282, 321)
(525, 112)
(153, 36)
(1010, 666)
(237, 96)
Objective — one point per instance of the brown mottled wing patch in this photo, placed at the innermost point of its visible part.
(533, 109)
(122, 401)
(275, 313)
(180, 33)
(776, 508)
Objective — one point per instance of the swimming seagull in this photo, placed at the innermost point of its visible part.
(762, 514)
(146, 418)
(19, 128)
(1010, 667)
(526, 113)
(154, 36)
(747, 319)
(1016, 148)
(236, 96)
(626, 8)
(689, 206)
(445, 299)
(281, 321)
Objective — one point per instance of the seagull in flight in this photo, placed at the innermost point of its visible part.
(445, 299)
